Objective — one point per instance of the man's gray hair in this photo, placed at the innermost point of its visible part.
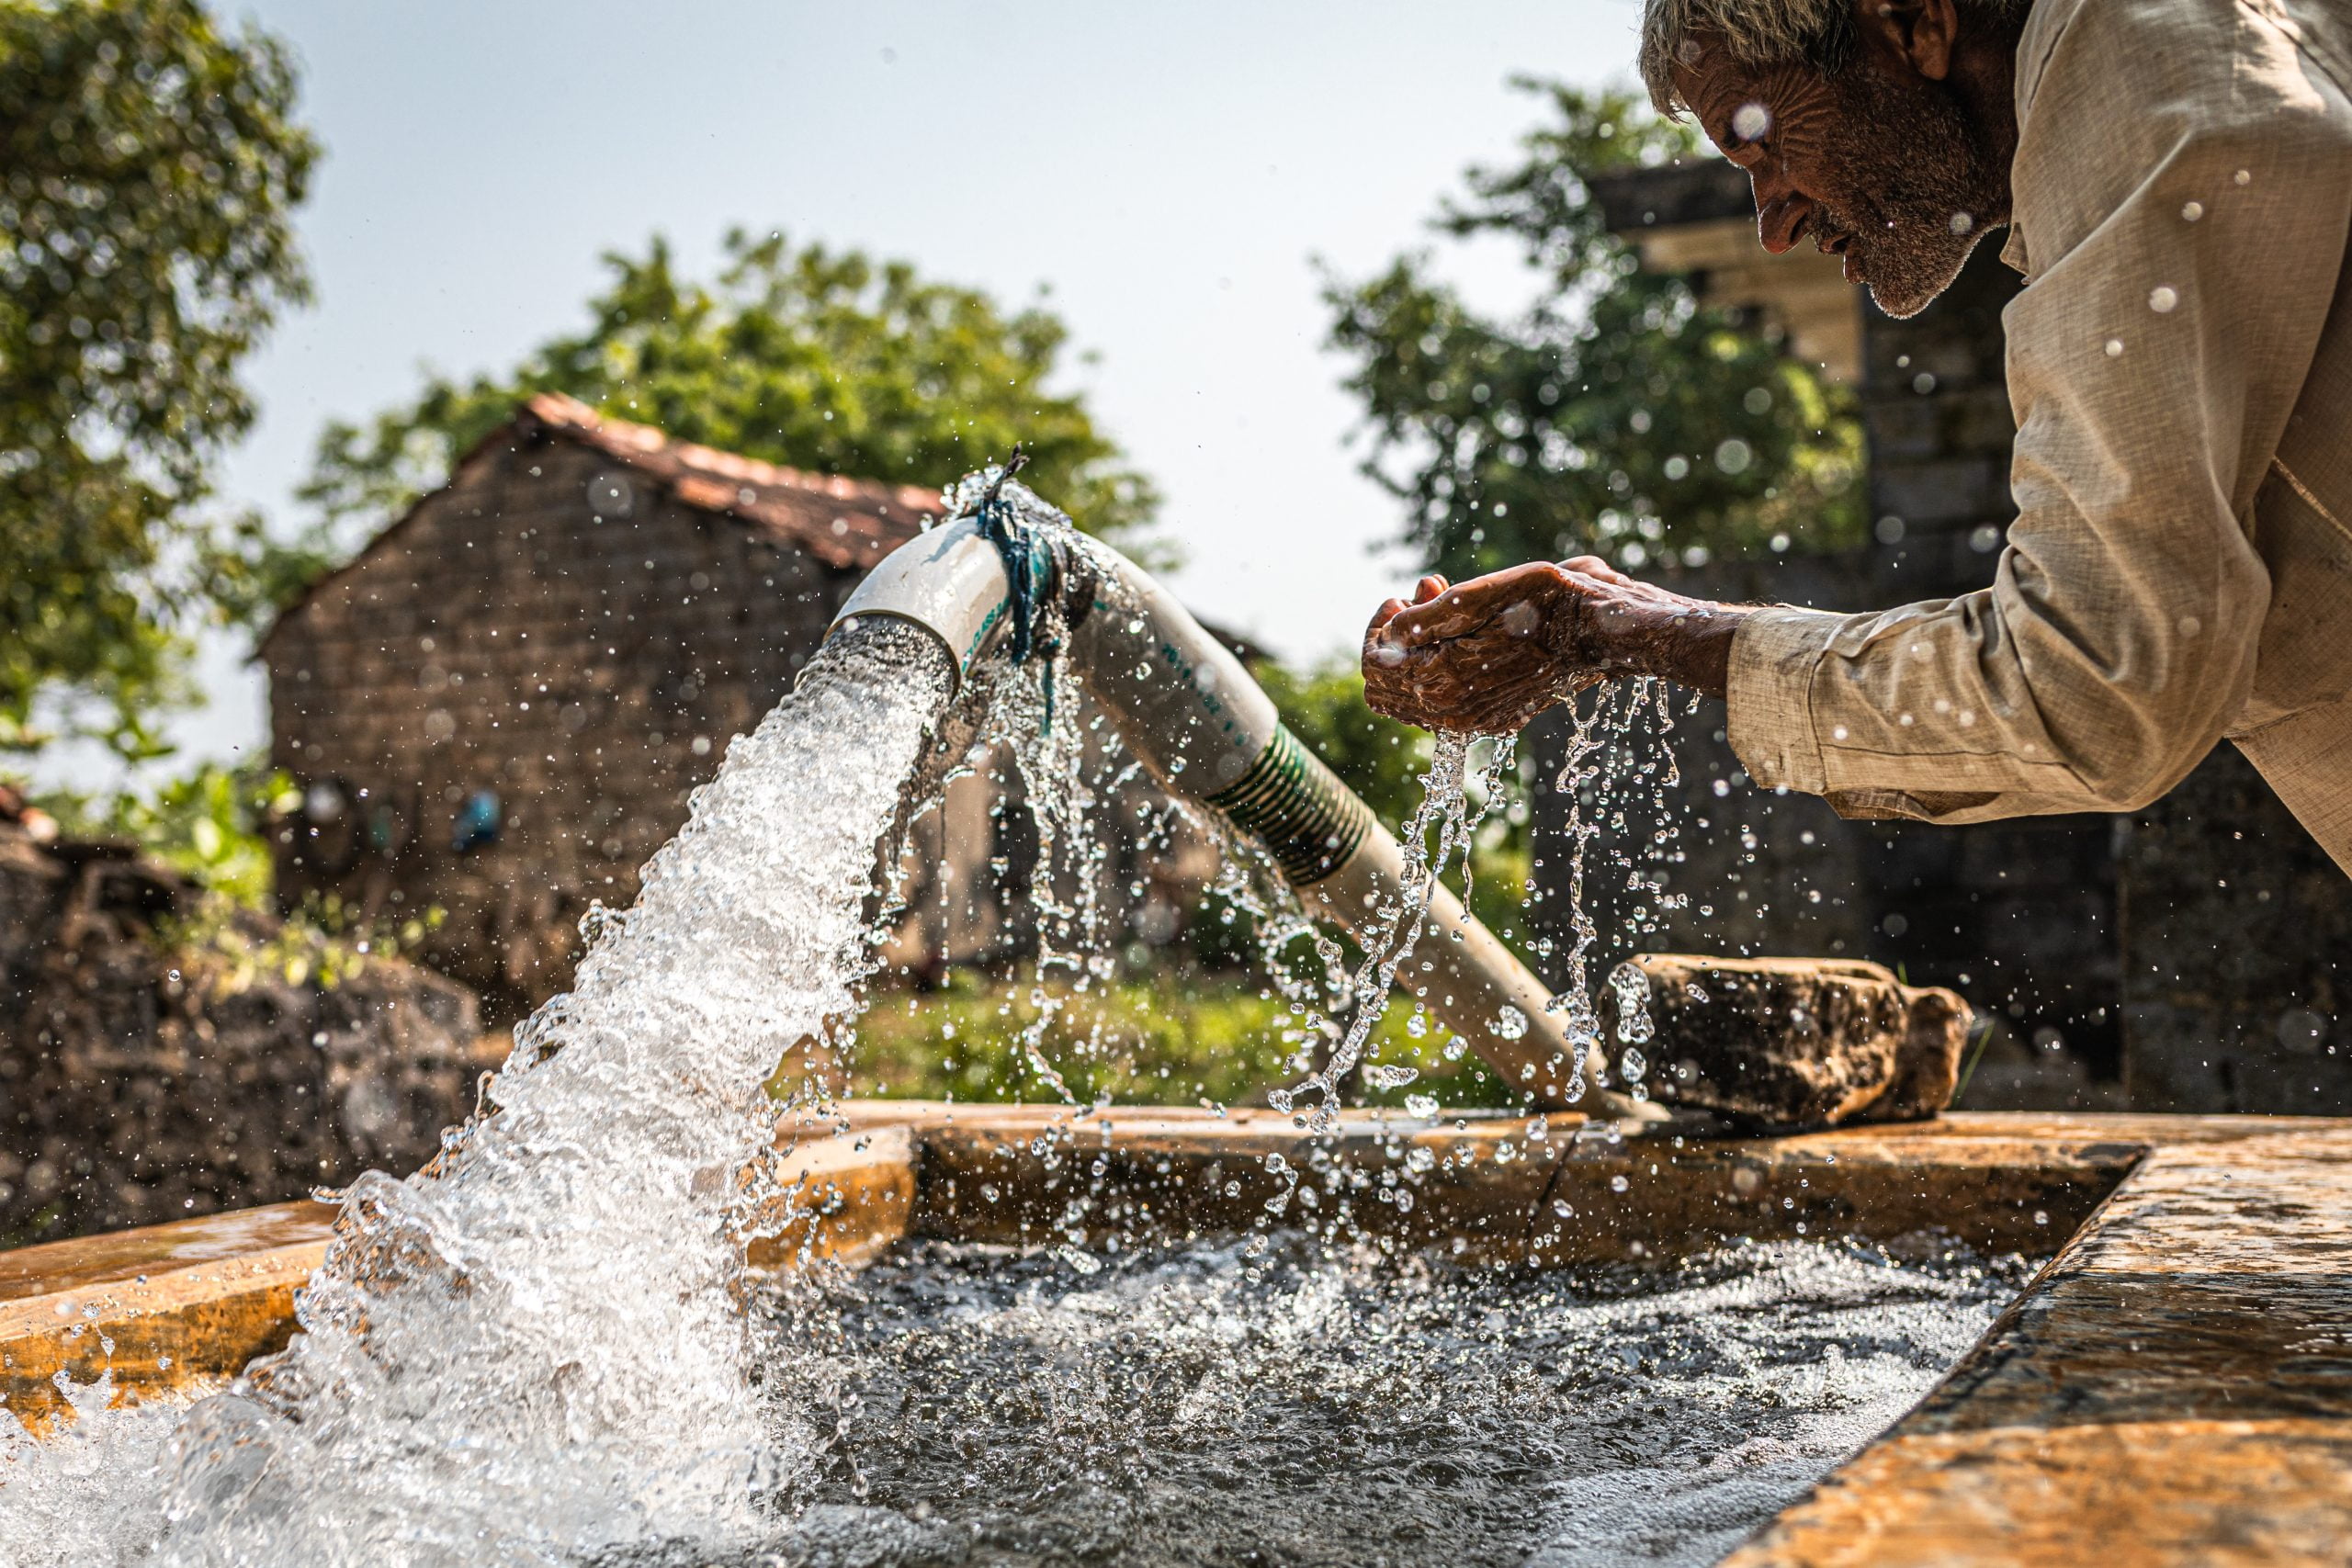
(1756, 32)
(1820, 33)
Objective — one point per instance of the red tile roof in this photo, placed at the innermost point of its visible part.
(849, 525)
(846, 524)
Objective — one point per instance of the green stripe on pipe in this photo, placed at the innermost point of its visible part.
(1290, 802)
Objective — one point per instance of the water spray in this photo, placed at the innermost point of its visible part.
(1186, 707)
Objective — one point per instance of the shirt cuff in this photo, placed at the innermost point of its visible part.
(1773, 656)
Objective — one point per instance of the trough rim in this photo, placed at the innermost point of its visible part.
(2173, 1386)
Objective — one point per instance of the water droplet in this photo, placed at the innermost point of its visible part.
(2164, 299)
(2191, 211)
(2114, 347)
(1420, 1105)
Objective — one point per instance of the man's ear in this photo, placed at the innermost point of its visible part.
(1924, 33)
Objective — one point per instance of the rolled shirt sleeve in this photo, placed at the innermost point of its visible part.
(2182, 194)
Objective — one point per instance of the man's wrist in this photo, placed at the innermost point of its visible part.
(1699, 653)
(1686, 641)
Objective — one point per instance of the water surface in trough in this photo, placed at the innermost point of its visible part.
(1276, 1401)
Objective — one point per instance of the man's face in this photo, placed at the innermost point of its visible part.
(1876, 165)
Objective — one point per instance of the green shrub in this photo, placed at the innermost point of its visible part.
(1161, 1041)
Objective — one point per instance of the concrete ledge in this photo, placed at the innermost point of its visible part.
(2174, 1388)
(165, 1307)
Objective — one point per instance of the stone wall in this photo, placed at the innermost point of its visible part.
(144, 1077)
(2236, 953)
(511, 644)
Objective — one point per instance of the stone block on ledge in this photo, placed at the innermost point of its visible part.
(1784, 1042)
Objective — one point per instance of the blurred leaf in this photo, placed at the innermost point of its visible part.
(209, 824)
(149, 166)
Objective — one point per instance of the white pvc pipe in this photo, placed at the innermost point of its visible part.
(1207, 731)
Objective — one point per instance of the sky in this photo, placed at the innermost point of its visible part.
(1177, 175)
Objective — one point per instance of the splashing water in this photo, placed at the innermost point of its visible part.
(1217, 1403)
(536, 1350)
(1602, 774)
(1451, 811)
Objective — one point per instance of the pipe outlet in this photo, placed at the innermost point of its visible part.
(1207, 732)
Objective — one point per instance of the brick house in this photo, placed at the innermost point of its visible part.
(500, 708)
(2195, 956)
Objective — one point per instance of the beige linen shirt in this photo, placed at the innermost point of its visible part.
(2180, 366)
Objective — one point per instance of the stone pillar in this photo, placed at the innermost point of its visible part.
(2236, 953)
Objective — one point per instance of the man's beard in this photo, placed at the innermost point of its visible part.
(1931, 194)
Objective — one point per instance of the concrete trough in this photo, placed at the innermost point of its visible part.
(2175, 1386)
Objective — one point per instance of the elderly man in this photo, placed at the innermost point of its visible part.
(2176, 176)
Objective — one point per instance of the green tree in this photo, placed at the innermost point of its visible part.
(149, 166)
(1619, 416)
(820, 360)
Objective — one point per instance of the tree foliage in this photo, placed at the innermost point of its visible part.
(209, 824)
(149, 166)
(818, 359)
(1619, 416)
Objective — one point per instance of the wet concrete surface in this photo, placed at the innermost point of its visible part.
(2176, 1388)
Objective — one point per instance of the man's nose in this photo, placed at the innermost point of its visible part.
(1779, 213)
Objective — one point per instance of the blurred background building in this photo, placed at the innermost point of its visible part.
(502, 705)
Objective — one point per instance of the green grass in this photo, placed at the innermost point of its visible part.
(1158, 1040)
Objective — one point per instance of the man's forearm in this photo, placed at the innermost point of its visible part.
(1488, 654)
